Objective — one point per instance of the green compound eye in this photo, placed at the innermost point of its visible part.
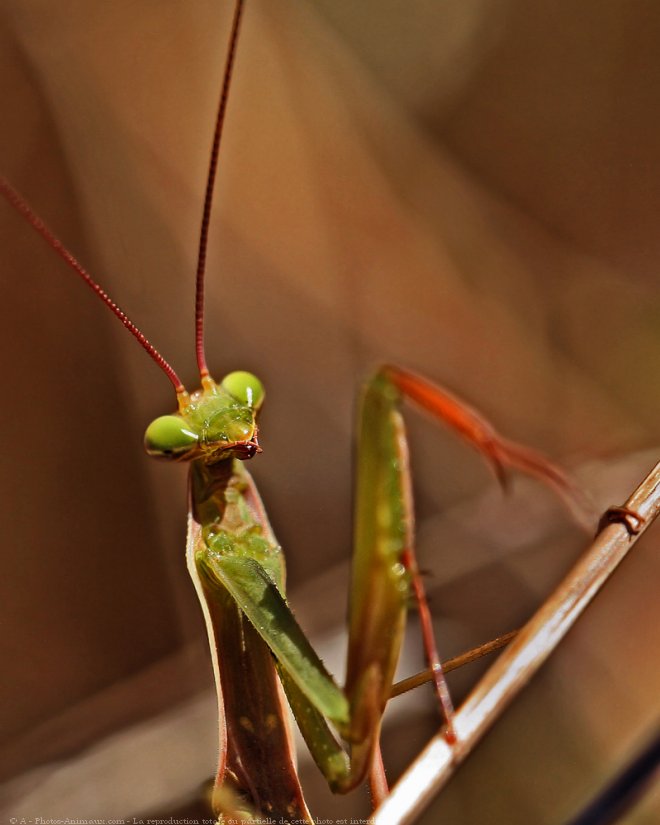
(245, 387)
(169, 435)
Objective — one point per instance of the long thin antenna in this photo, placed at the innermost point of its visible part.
(208, 198)
(21, 205)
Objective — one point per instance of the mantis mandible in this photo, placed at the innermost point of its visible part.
(238, 570)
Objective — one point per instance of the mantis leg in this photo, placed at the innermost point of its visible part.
(385, 570)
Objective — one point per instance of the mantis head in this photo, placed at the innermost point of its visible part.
(215, 423)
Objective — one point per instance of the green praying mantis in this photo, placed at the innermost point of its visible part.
(237, 565)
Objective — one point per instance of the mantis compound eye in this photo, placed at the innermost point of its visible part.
(245, 387)
(169, 437)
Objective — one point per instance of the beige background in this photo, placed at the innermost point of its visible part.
(469, 189)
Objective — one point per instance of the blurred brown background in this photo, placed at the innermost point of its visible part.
(470, 189)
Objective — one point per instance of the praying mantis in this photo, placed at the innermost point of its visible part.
(236, 563)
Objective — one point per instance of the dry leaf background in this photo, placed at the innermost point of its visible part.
(470, 189)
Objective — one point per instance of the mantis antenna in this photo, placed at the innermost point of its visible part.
(208, 197)
(21, 205)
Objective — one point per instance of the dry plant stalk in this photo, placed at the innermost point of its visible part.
(520, 661)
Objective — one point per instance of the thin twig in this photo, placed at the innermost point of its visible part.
(454, 663)
(520, 661)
